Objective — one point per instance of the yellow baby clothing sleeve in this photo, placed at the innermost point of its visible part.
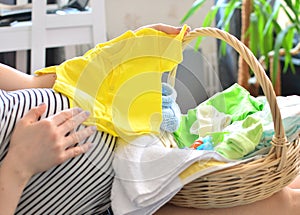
(119, 81)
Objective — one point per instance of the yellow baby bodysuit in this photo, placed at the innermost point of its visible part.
(119, 81)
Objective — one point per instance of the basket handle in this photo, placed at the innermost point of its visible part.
(279, 140)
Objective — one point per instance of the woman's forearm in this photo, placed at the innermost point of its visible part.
(12, 184)
(12, 79)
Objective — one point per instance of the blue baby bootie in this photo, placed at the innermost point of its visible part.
(170, 110)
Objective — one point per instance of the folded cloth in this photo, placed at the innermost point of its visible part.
(171, 113)
(290, 113)
(243, 138)
(148, 175)
(209, 119)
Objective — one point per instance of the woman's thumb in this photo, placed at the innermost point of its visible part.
(35, 113)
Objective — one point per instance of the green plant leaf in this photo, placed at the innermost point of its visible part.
(277, 27)
(212, 13)
(229, 14)
(209, 18)
(288, 45)
(264, 27)
(273, 16)
(223, 46)
(224, 23)
(261, 41)
(264, 42)
(297, 8)
(253, 35)
(295, 17)
(197, 44)
(229, 10)
(288, 14)
(196, 6)
(293, 9)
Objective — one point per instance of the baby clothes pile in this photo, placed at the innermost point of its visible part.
(238, 125)
(226, 119)
(229, 128)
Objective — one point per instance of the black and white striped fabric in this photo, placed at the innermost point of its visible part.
(81, 185)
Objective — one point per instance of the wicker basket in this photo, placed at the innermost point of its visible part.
(247, 182)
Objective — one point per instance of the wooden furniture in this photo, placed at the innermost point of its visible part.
(52, 30)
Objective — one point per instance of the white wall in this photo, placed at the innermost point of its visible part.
(123, 15)
(130, 14)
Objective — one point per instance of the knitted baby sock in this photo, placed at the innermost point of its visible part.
(170, 110)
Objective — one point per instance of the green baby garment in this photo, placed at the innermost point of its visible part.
(183, 136)
(243, 140)
(236, 102)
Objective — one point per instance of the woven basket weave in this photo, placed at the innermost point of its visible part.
(254, 180)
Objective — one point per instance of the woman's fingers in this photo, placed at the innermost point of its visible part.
(65, 115)
(168, 29)
(72, 123)
(77, 150)
(34, 114)
(68, 120)
(78, 136)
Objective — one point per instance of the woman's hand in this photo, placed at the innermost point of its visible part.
(37, 146)
(168, 29)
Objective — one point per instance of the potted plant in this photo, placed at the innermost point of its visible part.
(262, 30)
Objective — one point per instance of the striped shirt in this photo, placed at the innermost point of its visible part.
(81, 185)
